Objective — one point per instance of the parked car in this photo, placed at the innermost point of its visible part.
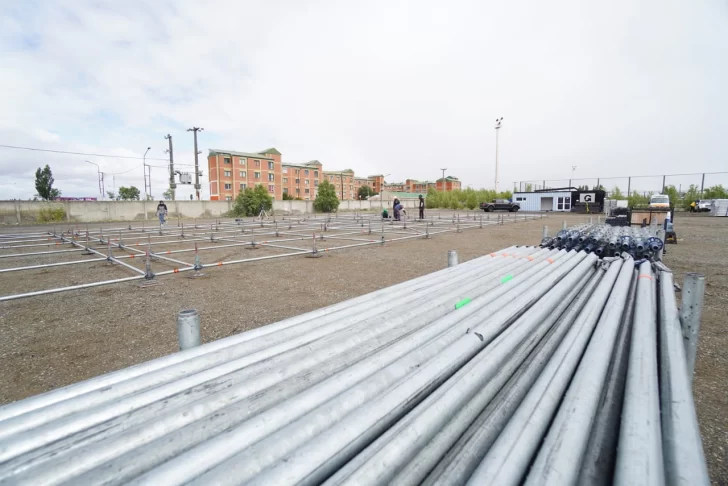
(499, 205)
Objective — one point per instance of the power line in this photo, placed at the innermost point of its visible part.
(82, 153)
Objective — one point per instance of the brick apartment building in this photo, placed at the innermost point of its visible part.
(231, 172)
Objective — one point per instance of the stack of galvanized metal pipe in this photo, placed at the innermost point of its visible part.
(529, 364)
(608, 241)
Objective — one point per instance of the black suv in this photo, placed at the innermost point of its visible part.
(499, 205)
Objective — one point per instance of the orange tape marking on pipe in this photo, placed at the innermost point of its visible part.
(131, 256)
(645, 276)
(168, 252)
(176, 270)
(493, 254)
(550, 260)
(219, 264)
(530, 258)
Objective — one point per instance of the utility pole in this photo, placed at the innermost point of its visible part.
(194, 130)
(341, 176)
(100, 178)
(146, 194)
(498, 124)
(443, 179)
(573, 169)
(172, 185)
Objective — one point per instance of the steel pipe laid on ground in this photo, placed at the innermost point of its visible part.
(505, 368)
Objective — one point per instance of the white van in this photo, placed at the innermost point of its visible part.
(660, 201)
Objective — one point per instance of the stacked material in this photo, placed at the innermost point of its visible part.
(605, 240)
(529, 364)
(719, 207)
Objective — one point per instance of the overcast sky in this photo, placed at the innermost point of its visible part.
(394, 87)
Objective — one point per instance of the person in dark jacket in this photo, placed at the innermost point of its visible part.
(422, 207)
(395, 205)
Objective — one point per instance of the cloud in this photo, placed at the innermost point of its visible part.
(394, 87)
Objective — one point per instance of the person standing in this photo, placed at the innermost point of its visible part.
(161, 211)
(422, 207)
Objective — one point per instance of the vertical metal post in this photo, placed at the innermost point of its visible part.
(452, 258)
(663, 184)
(690, 313)
(545, 232)
(188, 329)
(629, 185)
(702, 185)
(563, 225)
(661, 235)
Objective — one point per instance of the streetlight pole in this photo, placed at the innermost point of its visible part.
(172, 184)
(194, 130)
(443, 180)
(498, 124)
(573, 169)
(144, 166)
(98, 175)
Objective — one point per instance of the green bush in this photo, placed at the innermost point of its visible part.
(250, 201)
(326, 200)
(51, 214)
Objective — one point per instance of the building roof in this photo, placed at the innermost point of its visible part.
(271, 150)
(334, 172)
(314, 164)
(448, 178)
(239, 154)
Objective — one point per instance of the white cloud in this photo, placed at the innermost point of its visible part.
(398, 87)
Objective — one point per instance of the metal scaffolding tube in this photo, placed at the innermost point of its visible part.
(681, 442)
(461, 454)
(320, 453)
(570, 430)
(390, 458)
(507, 460)
(297, 360)
(639, 453)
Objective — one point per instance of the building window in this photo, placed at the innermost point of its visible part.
(285, 170)
(331, 178)
(298, 181)
(296, 171)
(228, 173)
(298, 191)
(315, 174)
(226, 160)
(271, 177)
(305, 172)
(306, 181)
(228, 198)
(228, 187)
(315, 183)
(271, 165)
(243, 173)
(271, 188)
(285, 180)
(285, 190)
(242, 187)
(307, 191)
(257, 163)
(242, 161)
(563, 203)
(257, 175)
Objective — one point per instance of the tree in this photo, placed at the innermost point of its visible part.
(365, 192)
(529, 187)
(690, 196)
(111, 195)
(599, 188)
(44, 184)
(672, 193)
(251, 201)
(168, 194)
(713, 192)
(637, 199)
(129, 193)
(326, 200)
(616, 194)
(287, 197)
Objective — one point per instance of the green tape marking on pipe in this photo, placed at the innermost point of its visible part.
(506, 278)
(463, 302)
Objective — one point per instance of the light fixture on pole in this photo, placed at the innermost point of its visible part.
(100, 178)
(498, 124)
(194, 130)
(573, 169)
(443, 179)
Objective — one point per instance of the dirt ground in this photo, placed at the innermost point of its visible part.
(54, 340)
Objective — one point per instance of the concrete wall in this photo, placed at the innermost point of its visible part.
(16, 212)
